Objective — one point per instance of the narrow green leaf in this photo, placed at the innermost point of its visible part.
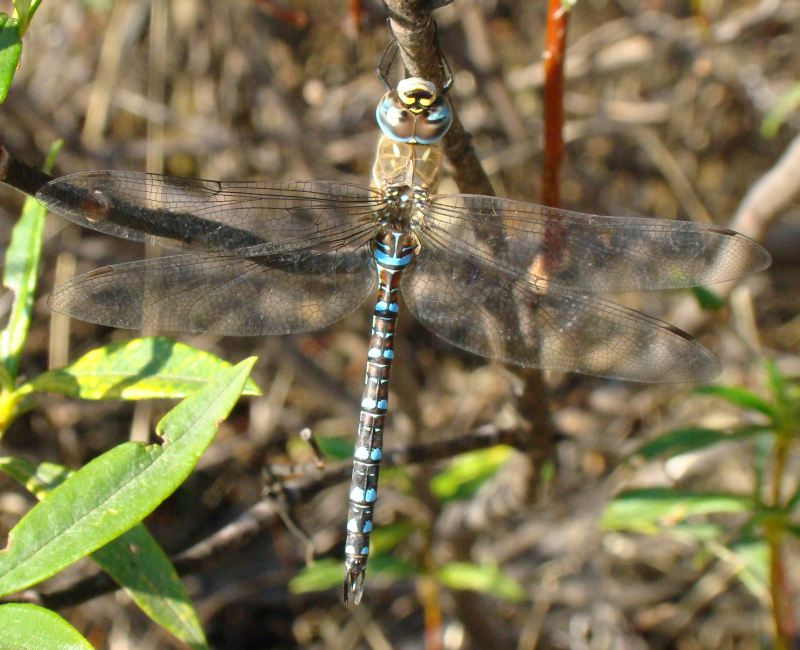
(786, 104)
(484, 578)
(649, 510)
(389, 536)
(30, 627)
(695, 532)
(328, 573)
(753, 553)
(134, 560)
(762, 453)
(20, 274)
(388, 565)
(738, 397)
(10, 52)
(33, 7)
(37, 480)
(791, 504)
(776, 383)
(116, 490)
(707, 299)
(336, 448)
(681, 441)
(467, 472)
(320, 576)
(146, 368)
(22, 8)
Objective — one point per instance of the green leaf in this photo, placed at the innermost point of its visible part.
(32, 9)
(37, 480)
(681, 441)
(328, 573)
(30, 627)
(145, 368)
(116, 490)
(791, 504)
(484, 578)
(775, 381)
(467, 472)
(20, 274)
(388, 537)
(651, 509)
(22, 8)
(386, 564)
(776, 116)
(738, 397)
(695, 532)
(319, 576)
(10, 52)
(762, 454)
(134, 560)
(708, 300)
(753, 555)
(336, 448)
(138, 564)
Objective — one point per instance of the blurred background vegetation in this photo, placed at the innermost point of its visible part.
(674, 109)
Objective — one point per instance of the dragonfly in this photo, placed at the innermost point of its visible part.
(507, 280)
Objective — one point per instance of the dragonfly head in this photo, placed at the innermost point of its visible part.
(414, 112)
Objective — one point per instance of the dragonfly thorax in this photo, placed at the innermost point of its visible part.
(414, 112)
(403, 203)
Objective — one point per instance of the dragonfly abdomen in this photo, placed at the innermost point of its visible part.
(393, 251)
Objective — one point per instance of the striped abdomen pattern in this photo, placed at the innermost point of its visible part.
(393, 252)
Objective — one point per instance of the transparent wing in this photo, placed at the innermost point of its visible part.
(222, 294)
(241, 218)
(587, 252)
(514, 320)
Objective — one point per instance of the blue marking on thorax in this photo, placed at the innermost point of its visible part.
(384, 306)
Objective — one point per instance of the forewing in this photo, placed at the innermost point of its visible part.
(242, 218)
(513, 320)
(223, 294)
(585, 252)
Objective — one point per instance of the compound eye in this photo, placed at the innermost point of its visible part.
(394, 119)
(434, 122)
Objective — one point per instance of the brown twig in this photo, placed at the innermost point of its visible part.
(20, 175)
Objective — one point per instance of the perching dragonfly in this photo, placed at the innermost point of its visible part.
(503, 279)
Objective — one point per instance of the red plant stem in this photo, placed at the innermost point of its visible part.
(555, 45)
(356, 12)
(780, 587)
(295, 18)
(782, 601)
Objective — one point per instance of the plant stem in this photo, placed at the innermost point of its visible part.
(555, 46)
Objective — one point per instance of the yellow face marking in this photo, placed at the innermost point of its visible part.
(416, 93)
